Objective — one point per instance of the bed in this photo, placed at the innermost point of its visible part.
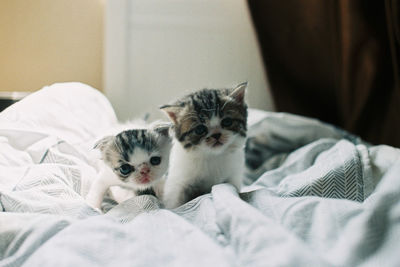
(313, 195)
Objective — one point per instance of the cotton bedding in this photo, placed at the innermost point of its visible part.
(313, 195)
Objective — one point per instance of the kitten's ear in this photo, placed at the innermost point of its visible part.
(172, 111)
(163, 129)
(238, 92)
(102, 143)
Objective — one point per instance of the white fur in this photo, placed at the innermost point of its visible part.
(122, 190)
(205, 165)
(107, 179)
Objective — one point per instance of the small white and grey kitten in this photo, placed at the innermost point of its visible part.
(208, 145)
(134, 159)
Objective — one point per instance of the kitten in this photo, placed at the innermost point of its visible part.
(208, 144)
(135, 159)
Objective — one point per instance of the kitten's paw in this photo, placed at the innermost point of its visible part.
(98, 210)
(171, 202)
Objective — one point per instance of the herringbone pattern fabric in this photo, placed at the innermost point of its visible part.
(338, 180)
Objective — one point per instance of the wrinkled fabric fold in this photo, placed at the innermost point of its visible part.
(318, 196)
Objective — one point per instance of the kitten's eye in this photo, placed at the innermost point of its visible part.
(155, 160)
(126, 169)
(226, 122)
(200, 129)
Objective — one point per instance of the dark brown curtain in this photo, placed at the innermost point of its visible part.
(336, 60)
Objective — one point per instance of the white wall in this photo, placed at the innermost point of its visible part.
(158, 50)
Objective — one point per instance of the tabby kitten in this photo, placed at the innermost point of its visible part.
(208, 143)
(133, 159)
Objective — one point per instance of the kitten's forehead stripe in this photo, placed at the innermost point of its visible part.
(205, 102)
(124, 146)
(218, 104)
(130, 139)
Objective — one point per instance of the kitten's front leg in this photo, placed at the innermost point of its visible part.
(237, 172)
(96, 193)
(159, 188)
(173, 196)
(99, 187)
(236, 181)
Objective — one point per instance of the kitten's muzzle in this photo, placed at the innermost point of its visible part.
(216, 136)
(215, 140)
(144, 170)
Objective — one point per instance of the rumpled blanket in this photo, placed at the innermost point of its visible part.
(313, 195)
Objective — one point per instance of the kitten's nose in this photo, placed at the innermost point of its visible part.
(144, 170)
(216, 136)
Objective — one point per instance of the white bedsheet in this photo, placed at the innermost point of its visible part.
(317, 196)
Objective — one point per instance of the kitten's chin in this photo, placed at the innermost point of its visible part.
(145, 182)
(216, 148)
(231, 145)
(143, 186)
